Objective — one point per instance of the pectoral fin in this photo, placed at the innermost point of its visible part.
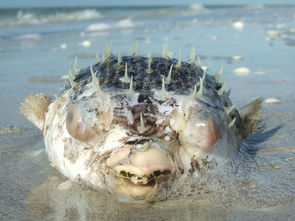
(250, 115)
(34, 107)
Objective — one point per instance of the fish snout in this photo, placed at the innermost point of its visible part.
(140, 172)
(142, 164)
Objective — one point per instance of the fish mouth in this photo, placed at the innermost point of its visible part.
(135, 187)
(142, 180)
(138, 173)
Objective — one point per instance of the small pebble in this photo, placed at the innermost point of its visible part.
(63, 46)
(273, 34)
(272, 101)
(242, 71)
(238, 25)
(85, 44)
(237, 57)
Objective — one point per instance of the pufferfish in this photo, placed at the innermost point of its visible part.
(132, 125)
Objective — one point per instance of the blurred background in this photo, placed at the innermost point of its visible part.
(39, 39)
(54, 3)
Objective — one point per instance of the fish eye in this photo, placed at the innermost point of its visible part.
(200, 131)
(77, 126)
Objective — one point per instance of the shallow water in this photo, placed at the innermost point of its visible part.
(259, 183)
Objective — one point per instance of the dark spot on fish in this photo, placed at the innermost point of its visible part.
(143, 98)
(123, 173)
(157, 173)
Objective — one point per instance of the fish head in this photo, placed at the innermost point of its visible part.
(146, 142)
(136, 146)
(139, 133)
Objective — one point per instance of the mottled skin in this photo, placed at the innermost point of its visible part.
(134, 137)
(183, 80)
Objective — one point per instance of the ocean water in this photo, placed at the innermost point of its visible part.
(37, 45)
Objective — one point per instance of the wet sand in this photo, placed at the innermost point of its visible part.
(48, 203)
(29, 185)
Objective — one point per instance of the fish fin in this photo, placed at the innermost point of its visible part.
(250, 115)
(34, 108)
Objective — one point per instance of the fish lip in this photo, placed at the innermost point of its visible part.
(133, 175)
(129, 191)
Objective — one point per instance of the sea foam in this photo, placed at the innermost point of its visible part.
(125, 23)
(122, 24)
(36, 18)
(198, 7)
(98, 27)
(29, 37)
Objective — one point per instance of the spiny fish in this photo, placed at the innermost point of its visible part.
(132, 125)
